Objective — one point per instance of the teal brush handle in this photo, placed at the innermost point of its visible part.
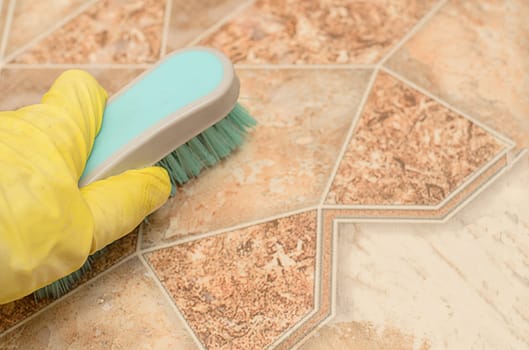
(177, 99)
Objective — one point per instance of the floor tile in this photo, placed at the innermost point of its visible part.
(14, 312)
(122, 310)
(3, 17)
(184, 27)
(473, 54)
(243, 289)
(462, 284)
(20, 87)
(28, 20)
(110, 31)
(303, 118)
(322, 31)
(407, 149)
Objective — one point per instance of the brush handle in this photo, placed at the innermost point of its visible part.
(177, 99)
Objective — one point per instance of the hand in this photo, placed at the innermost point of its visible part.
(48, 226)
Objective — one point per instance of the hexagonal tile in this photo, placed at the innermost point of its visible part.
(344, 31)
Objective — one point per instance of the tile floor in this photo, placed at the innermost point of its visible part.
(380, 204)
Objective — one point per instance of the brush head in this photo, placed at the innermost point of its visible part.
(183, 164)
(209, 147)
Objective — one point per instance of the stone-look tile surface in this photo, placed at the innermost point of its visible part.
(122, 310)
(284, 164)
(14, 312)
(3, 17)
(184, 27)
(322, 31)
(21, 87)
(408, 149)
(473, 54)
(462, 284)
(361, 336)
(29, 20)
(243, 289)
(111, 31)
(454, 204)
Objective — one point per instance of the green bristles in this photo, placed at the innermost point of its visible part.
(65, 284)
(183, 164)
(208, 148)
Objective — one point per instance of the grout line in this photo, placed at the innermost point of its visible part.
(170, 301)
(490, 181)
(318, 273)
(70, 293)
(220, 23)
(349, 135)
(304, 66)
(7, 26)
(192, 238)
(165, 30)
(50, 30)
(334, 259)
(79, 65)
(498, 135)
(419, 25)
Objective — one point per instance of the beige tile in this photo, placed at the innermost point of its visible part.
(3, 17)
(31, 18)
(189, 19)
(473, 54)
(408, 149)
(110, 31)
(20, 87)
(122, 310)
(361, 336)
(14, 312)
(243, 289)
(462, 284)
(303, 117)
(274, 31)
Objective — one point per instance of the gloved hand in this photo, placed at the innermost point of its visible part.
(48, 226)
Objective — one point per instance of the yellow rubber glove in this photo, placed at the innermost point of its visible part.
(48, 226)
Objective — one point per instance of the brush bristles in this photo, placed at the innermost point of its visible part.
(65, 284)
(183, 164)
(209, 147)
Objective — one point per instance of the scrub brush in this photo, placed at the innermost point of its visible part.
(182, 114)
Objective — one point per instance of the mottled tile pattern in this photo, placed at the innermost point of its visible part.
(325, 293)
(122, 310)
(322, 31)
(473, 54)
(14, 312)
(462, 284)
(456, 202)
(111, 31)
(243, 289)
(28, 21)
(408, 149)
(285, 163)
(20, 87)
(183, 28)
